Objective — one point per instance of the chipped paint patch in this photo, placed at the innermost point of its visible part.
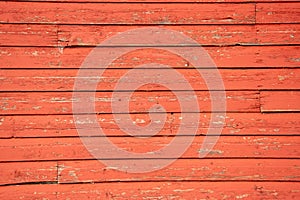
(2, 120)
(37, 107)
(186, 190)
(242, 196)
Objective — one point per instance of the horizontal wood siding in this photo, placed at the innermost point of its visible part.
(255, 45)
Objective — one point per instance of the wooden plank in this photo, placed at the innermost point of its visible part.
(224, 57)
(63, 80)
(184, 170)
(28, 35)
(278, 34)
(203, 34)
(103, 13)
(201, 178)
(64, 35)
(278, 12)
(155, 190)
(30, 57)
(29, 192)
(61, 103)
(283, 101)
(235, 124)
(226, 147)
(35, 172)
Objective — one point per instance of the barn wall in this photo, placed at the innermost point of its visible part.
(255, 45)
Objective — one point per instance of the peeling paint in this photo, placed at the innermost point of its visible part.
(242, 196)
(1, 120)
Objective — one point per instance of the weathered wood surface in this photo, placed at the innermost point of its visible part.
(154, 190)
(194, 170)
(278, 13)
(235, 124)
(255, 44)
(64, 35)
(63, 80)
(227, 147)
(139, 102)
(26, 172)
(224, 57)
(287, 101)
(160, 14)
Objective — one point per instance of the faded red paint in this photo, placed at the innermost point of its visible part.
(255, 43)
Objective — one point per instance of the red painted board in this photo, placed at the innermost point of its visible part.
(61, 103)
(227, 147)
(204, 35)
(75, 13)
(224, 57)
(28, 35)
(235, 124)
(63, 80)
(155, 190)
(281, 34)
(35, 172)
(278, 12)
(183, 170)
(65, 35)
(280, 101)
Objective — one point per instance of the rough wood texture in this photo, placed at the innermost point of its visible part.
(255, 44)
(42, 172)
(154, 190)
(73, 13)
(61, 102)
(194, 170)
(224, 57)
(227, 147)
(278, 13)
(64, 35)
(28, 35)
(235, 124)
(63, 80)
(204, 35)
(287, 101)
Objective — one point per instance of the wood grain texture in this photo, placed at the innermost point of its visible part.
(194, 169)
(254, 43)
(72, 13)
(204, 35)
(154, 190)
(281, 34)
(28, 35)
(278, 13)
(64, 35)
(63, 80)
(226, 147)
(224, 57)
(236, 124)
(201, 170)
(16, 173)
(61, 102)
(287, 101)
